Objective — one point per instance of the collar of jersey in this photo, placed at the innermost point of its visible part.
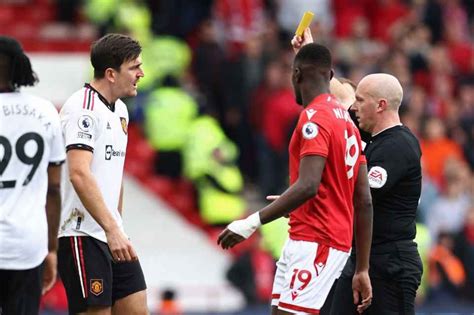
(386, 129)
(110, 106)
(321, 98)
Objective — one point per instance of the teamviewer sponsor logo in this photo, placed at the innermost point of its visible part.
(110, 152)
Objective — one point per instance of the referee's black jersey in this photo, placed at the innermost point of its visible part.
(393, 161)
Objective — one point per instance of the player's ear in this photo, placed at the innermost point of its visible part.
(331, 74)
(110, 75)
(296, 74)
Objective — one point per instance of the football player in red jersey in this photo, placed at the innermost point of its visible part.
(328, 182)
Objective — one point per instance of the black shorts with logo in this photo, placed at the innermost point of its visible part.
(91, 276)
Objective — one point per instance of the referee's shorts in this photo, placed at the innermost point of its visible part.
(395, 275)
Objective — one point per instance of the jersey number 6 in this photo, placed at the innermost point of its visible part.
(20, 146)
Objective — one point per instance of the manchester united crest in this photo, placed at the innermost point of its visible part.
(97, 287)
(124, 124)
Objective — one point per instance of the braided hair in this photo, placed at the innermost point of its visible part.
(15, 66)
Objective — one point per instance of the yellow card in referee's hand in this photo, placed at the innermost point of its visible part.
(304, 23)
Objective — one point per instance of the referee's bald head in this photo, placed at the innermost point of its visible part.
(384, 86)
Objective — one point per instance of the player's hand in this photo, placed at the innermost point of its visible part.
(120, 247)
(272, 197)
(299, 41)
(228, 239)
(362, 290)
(49, 272)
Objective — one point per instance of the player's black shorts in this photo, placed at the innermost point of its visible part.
(395, 275)
(20, 291)
(91, 276)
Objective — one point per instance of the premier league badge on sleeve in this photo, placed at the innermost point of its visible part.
(310, 130)
(85, 123)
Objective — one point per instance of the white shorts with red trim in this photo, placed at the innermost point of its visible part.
(305, 274)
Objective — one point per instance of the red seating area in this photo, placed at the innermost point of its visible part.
(27, 22)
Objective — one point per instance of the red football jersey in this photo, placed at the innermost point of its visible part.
(325, 128)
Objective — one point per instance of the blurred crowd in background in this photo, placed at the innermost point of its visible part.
(217, 107)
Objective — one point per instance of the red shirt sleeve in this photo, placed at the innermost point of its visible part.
(314, 132)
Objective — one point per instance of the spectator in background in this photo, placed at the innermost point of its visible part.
(465, 136)
(208, 69)
(437, 149)
(447, 274)
(169, 113)
(237, 21)
(464, 249)
(30, 173)
(278, 115)
(209, 161)
(168, 304)
(252, 273)
(448, 211)
(358, 48)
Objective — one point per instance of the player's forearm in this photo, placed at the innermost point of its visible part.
(292, 198)
(88, 191)
(53, 211)
(120, 203)
(363, 232)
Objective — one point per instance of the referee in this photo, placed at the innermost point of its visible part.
(393, 158)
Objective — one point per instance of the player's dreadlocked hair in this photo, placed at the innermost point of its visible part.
(15, 66)
(111, 51)
(315, 54)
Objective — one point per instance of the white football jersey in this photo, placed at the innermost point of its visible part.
(30, 139)
(89, 123)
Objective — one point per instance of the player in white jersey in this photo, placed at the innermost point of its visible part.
(97, 263)
(31, 151)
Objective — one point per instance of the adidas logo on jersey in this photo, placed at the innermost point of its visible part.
(108, 125)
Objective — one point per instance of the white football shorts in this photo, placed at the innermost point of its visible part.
(305, 274)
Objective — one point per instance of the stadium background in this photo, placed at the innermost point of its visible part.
(230, 60)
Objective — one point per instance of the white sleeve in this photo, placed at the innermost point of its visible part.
(81, 129)
(57, 153)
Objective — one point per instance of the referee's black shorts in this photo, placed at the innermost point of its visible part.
(395, 276)
(91, 276)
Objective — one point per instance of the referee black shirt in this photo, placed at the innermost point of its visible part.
(393, 160)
